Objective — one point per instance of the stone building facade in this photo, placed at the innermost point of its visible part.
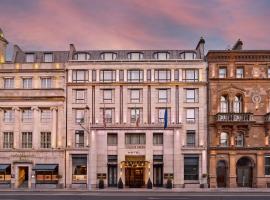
(238, 103)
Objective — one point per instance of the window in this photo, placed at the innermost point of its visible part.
(239, 140)
(46, 82)
(27, 83)
(237, 104)
(26, 139)
(80, 96)
(135, 115)
(135, 56)
(107, 95)
(161, 115)
(79, 168)
(239, 72)
(79, 76)
(112, 139)
(46, 116)
(8, 83)
(9, 116)
(161, 55)
(79, 138)
(135, 95)
(82, 56)
(135, 75)
(191, 138)
(268, 72)
(224, 104)
(188, 55)
(158, 138)
(8, 140)
(27, 115)
(222, 72)
(135, 138)
(48, 57)
(108, 56)
(108, 115)
(191, 168)
(45, 139)
(191, 75)
(163, 95)
(223, 139)
(79, 116)
(190, 115)
(30, 58)
(267, 165)
(107, 75)
(162, 75)
(192, 95)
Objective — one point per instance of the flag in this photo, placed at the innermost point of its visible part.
(165, 118)
(137, 118)
(104, 118)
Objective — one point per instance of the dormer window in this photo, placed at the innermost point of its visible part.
(188, 55)
(108, 56)
(82, 56)
(161, 55)
(48, 57)
(30, 58)
(135, 56)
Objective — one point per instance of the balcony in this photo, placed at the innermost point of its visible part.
(234, 117)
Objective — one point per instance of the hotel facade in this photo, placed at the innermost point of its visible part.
(74, 118)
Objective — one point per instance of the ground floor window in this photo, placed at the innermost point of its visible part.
(79, 168)
(5, 173)
(191, 168)
(46, 173)
(267, 165)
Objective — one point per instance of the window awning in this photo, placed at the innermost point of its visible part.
(45, 167)
(3, 167)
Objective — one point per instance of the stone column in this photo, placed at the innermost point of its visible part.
(178, 176)
(1, 125)
(172, 102)
(36, 123)
(54, 126)
(232, 173)
(117, 75)
(17, 127)
(260, 170)
(149, 156)
(213, 170)
(152, 75)
(69, 75)
(232, 135)
(92, 164)
(61, 128)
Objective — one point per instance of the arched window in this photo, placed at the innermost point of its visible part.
(239, 140)
(224, 139)
(237, 104)
(224, 104)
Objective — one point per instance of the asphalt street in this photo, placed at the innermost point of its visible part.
(132, 196)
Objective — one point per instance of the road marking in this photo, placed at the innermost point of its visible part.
(177, 198)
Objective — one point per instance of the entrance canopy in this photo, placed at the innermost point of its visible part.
(45, 167)
(3, 167)
(135, 163)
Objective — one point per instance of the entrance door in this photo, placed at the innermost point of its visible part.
(134, 177)
(222, 173)
(23, 177)
(244, 172)
(158, 175)
(112, 175)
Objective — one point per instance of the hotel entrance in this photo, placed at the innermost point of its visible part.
(23, 177)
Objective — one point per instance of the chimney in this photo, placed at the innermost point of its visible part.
(3, 47)
(200, 48)
(72, 50)
(238, 45)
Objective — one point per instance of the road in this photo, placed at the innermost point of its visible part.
(132, 196)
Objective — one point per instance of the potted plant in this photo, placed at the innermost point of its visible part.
(101, 184)
(120, 184)
(149, 184)
(169, 184)
(204, 181)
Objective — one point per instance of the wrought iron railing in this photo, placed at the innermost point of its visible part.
(234, 117)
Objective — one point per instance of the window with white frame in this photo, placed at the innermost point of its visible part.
(135, 138)
(135, 115)
(135, 95)
(268, 72)
(163, 75)
(224, 104)
(192, 95)
(108, 56)
(223, 139)
(108, 115)
(158, 138)
(135, 56)
(188, 55)
(190, 115)
(79, 116)
(107, 75)
(8, 140)
(45, 140)
(46, 82)
(46, 115)
(48, 57)
(80, 95)
(79, 76)
(27, 83)
(161, 115)
(237, 104)
(163, 95)
(26, 140)
(191, 75)
(191, 138)
(79, 138)
(135, 75)
(81, 56)
(30, 58)
(112, 139)
(239, 72)
(107, 95)
(9, 83)
(161, 55)
(8, 115)
(222, 72)
(239, 140)
(27, 115)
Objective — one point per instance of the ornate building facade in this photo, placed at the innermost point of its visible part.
(238, 107)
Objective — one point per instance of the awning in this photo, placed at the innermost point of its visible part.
(3, 167)
(45, 167)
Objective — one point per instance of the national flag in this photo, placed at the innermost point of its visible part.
(166, 118)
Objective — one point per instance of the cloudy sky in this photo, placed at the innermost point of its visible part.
(135, 24)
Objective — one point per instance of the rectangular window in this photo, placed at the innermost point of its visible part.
(8, 83)
(135, 56)
(107, 115)
(191, 168)
(191, 138)
(135, 115)
(161, 55)
(46, 82)
(267, 165)
(112, 139)
(26, 139)
(163, 95)
(192, 95)
(239, 72)
(30, 58)
(107, 96)
(222, 72)
(108, 56)
(135, 138)
(135, 95)
(190, 115)
(161, 115)
(107, 75)
(48, 57)
(79, 116)
(79, 139)
(8, 140)
(79, 76)
(162, 75)
(46, 116)
(79, 168)
(158, 138)
(27, 115)
(268, 72)
(135, 75)
(191, 75)
(27, 83)
(80, 96)
(45, 139)
(8, 116)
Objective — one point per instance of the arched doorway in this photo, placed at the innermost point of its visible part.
(244, 172)
(222, 173)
